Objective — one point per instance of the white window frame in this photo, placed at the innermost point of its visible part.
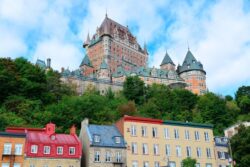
(176, 134)
(187, 135)
(59, 150)
(206, 135)
(33, 149)
(118, 157)
(134, 163)
(166, 133)
(209, 155)
(46, 150)
(156, 164)
(18, 149)
(117, 139)
(97, 156)
(134, 148)
(97, 138)
(144, 131)
(168, 149)
(16, 164)
(197, 135)
(156, 149)
(7, 148)
(145, 164)
(189, 151)
(5, 164)
(154, 132)
(72, 149)
(108, 156)
(199, 152)
(178, 151)
(133, 130)
(144, 149)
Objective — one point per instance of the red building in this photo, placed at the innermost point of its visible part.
(46, 148)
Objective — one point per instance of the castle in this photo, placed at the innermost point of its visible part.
(113, 53)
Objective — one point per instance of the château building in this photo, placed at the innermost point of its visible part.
(113, 53)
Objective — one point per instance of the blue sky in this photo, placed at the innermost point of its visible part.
(218, 32)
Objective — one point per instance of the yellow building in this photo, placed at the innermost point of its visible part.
(155, 143)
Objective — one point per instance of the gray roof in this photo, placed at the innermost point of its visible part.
(41, 63)
(190, 63)
(86, 61)
(167, 60)
(104, 65)
(107, 135)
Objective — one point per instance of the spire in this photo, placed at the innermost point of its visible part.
(104, 65)
(106, 14)
(86, 61)
(88, 38)
(167, 59)
(189, 59)
(145, 47)
(87, 42)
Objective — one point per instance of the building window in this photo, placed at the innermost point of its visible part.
(59, 150)
(117, 139)
(32, 165)
(166, 133)
(208, 152)
(97, 156)
(176, 134)
(18, 149)
(168, 150)
(34, 149)
(45, 165)
(5, 164)
(7, 149)
(197, 135)
(145, 164)
(134, 164)
(118, 157)
(134, 148)
(206, 136)
(154, 132)
(187, 136)
(72, 150)
(46, 149)
(221, 155)
(156, 149)
(97, 138)
(197, 165)
(133, 130)
(144, 131)
(16, 165)
(198, 150)
(157, 164)
(144, 148)
(108, 156)
(172, 164)
(178, 151)
(188, 148)
(208, 165)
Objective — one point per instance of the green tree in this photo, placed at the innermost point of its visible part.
(240, 144)
(242, 98)
(188, 162)
(134, 89)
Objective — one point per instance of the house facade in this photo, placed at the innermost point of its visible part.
(222, 151)
(155, 143)
(103, 146)
(12, 149)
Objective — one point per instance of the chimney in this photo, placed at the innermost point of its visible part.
(50, 128)
(48, 62)
(73, 130)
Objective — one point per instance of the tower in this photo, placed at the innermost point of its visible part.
(167, 63)
(193, 73)
(86, 66)
(103, 72)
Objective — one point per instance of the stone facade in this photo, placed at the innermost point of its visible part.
(50, 162)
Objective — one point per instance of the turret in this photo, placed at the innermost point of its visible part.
(193, 73)
(86, 66)
(167, 63)
(87, 42)
(104, 70)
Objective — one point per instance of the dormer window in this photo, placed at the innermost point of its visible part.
(117, 139)
(97, 138)
(53, 137)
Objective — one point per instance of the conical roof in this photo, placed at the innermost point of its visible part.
(104, 65)
(86, 61)
(167, 60)
(190, 63)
